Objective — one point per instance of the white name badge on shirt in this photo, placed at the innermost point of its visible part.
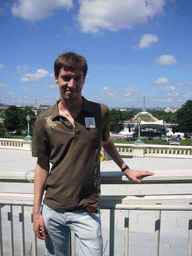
(90, 122)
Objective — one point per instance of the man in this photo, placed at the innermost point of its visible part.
(69, 136)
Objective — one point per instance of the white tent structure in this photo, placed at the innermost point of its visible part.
(149, 125)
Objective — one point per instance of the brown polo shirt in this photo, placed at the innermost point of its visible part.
(74, 179)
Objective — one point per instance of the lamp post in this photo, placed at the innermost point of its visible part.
(138, 141)
(28, 137)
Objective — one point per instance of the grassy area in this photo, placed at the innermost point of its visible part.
(155, 141)
(186, 142)
(15, 136)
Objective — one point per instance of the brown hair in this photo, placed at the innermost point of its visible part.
(70, 61)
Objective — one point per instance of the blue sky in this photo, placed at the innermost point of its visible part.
(133, 49)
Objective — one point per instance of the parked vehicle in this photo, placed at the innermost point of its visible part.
(174, 143)
(166, 138)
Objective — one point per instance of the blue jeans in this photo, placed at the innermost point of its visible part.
(85, 225)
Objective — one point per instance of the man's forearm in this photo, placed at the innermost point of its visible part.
(41, 174)
(111, 150)
(136, 176)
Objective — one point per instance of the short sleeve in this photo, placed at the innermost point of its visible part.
(40, 145)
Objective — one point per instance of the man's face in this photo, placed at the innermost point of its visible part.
(70, 84)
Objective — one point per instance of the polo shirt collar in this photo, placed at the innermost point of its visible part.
(55, 111)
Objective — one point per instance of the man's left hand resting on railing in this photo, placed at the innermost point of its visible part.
(111, 150)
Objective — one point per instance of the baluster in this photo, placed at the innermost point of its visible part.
(157, 232)
(112, 232)
(34, 240)
(22, 231)
(1, 236)
(190, 234)
(126, 233)
(11, 236)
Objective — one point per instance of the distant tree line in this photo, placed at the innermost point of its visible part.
(167, 117)
(116, 119)
(182, 117)
(15, 120)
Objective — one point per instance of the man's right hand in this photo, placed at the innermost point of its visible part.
(39, 227)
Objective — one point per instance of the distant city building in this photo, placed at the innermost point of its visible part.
(3, 107)
(123, 109)
(169, 109)
(37, 109)
(159, 109)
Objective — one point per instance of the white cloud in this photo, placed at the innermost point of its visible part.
(127, 94)
(188, 95)
(52, 75)
(3, 86)
(189, 84)
(168, 88)
(11, 93)
(147, 40)
(189, 65)
(114, 15)
(166, 60)
(51, 86)
(163, 81)
(1, 65)
(165, 100)
(133, 89)
(21, 69)
(40, 74)
(109, 91)
(27, 89)
(33, 10)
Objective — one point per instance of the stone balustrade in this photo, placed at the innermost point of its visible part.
(125, 150)
(15, 144)
(146, 150)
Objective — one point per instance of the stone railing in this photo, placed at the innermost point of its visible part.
(168, 151)
(125, 150)
(146, 150)
(17, 238)
(15, 144)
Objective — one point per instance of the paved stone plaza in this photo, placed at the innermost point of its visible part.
(174, 224)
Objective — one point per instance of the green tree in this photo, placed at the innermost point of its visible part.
(115, 121)
(12, 118)
(167, 117)
(3, 130)
(23, 122)
(15, 118)
(184, 117)
(127, 115)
